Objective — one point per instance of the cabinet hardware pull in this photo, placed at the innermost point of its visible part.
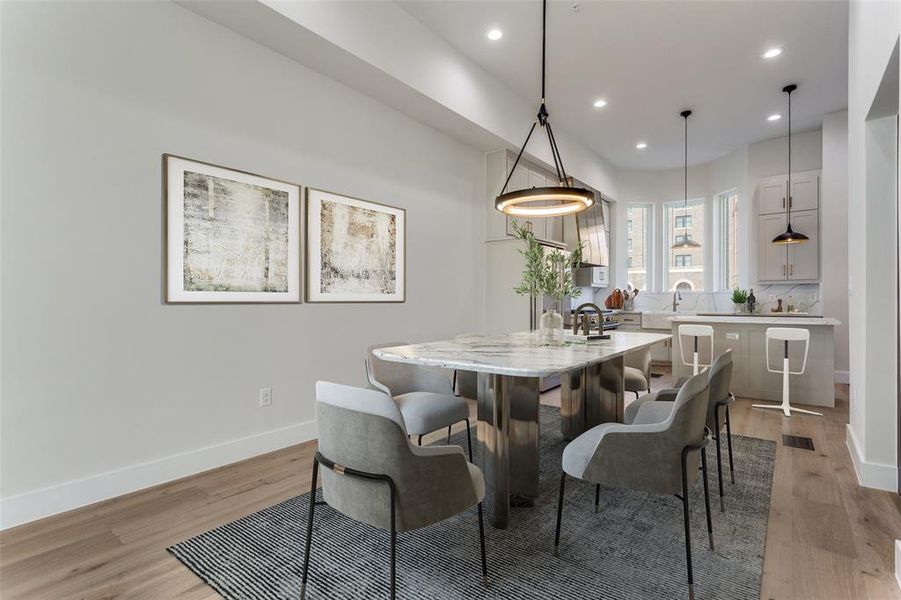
(783, 203)
(783, 270)
(790, 202)
(790, 269)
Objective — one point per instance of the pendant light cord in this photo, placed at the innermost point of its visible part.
(543, 44)
(789, 214)
(685, 117)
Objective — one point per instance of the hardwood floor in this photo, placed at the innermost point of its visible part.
(828, 538)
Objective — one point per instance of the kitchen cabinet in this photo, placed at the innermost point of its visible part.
(804, 259)
(790, 262)
(771, 196)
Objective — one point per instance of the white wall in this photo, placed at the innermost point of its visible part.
(106, 388)
(874, 29)
(834, 232)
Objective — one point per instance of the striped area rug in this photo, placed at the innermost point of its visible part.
(632, 549)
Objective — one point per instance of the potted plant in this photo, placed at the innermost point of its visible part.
(548, 274)
(739, 298)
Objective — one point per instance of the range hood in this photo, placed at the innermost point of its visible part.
(592, 234)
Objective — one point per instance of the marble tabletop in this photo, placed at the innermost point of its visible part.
(771, 319)
(518, 354)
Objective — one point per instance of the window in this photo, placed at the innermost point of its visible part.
(685, 266)
(729, 236)
(638, 244)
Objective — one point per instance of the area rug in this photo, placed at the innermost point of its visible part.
(633, 549)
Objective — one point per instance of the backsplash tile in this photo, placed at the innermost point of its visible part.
(722, 301)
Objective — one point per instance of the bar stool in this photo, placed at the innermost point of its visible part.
(695, 331)
(786, 335)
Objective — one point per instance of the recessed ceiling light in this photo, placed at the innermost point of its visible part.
(772, 52)
(774, 117)
(495, 34)
(641, 145)
(600, 103)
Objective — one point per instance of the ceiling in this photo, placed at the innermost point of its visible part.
(651, 60)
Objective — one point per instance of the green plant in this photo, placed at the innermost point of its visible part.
(546, 273)
(739, 296)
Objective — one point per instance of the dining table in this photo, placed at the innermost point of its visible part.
(508, 369)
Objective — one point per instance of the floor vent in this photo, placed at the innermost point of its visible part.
(797, 441)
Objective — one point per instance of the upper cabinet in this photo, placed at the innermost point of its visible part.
(792, 262)
(499, 225)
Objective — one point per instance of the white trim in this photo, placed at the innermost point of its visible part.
(898, 562)
(870, 474)
(30, 506)
(843, 377)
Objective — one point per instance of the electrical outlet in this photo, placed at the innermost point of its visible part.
(812, 298)
(265, 396)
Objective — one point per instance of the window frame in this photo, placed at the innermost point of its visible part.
(722, 283)
(669, 236)
(650, 243)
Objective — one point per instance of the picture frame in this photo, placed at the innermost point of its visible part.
(230, 236)
(355, 249)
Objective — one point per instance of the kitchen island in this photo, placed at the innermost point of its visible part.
(745, 336)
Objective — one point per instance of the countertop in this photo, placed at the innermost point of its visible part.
(771, 319)
(518, 354)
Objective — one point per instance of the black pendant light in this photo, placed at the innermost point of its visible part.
(533, 202)
(685, 242)
(789, 236)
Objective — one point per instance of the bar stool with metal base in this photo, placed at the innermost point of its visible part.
(786, 335)
(695, 331)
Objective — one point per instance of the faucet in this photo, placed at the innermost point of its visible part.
(676, 294)
(586, 319)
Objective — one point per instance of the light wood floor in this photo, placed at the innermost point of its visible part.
(828, 538)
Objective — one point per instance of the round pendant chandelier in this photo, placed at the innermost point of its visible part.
(552, 201)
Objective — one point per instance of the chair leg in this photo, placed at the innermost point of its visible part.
(729, 441)
(482, 543)
(597, 497)
(448, 433)
(719, 458)
(707, 495)
(306, 552)
(393, 548)
(559, 514)
(420, 439)
(469, 440)
(691, 590)
(636, 395)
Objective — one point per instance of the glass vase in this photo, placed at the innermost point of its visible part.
(550, 328)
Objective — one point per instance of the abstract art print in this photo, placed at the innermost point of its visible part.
(355, 250)
(231, 236)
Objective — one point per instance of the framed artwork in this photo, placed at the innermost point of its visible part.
(231, 236)
(356, 250)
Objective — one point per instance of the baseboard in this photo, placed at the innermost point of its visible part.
(870, 474)
(30, 506)
(843, 377)
(898, 562)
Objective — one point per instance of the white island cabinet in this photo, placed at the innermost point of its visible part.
(745, 336)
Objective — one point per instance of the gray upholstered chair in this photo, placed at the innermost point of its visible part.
(719, 379)
(651, 455)
(424, 396)
(637, 375)
(373, 474)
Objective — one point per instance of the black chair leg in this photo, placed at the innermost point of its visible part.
(420, 440)
(597, 497)
(469, 440)
(393, 548)
(729, 441)
(448, 433)
(707, 495)
(482, 543)
(559, 514)
(719, 458)
(636, 395)
(691, 589)
(306, 552)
